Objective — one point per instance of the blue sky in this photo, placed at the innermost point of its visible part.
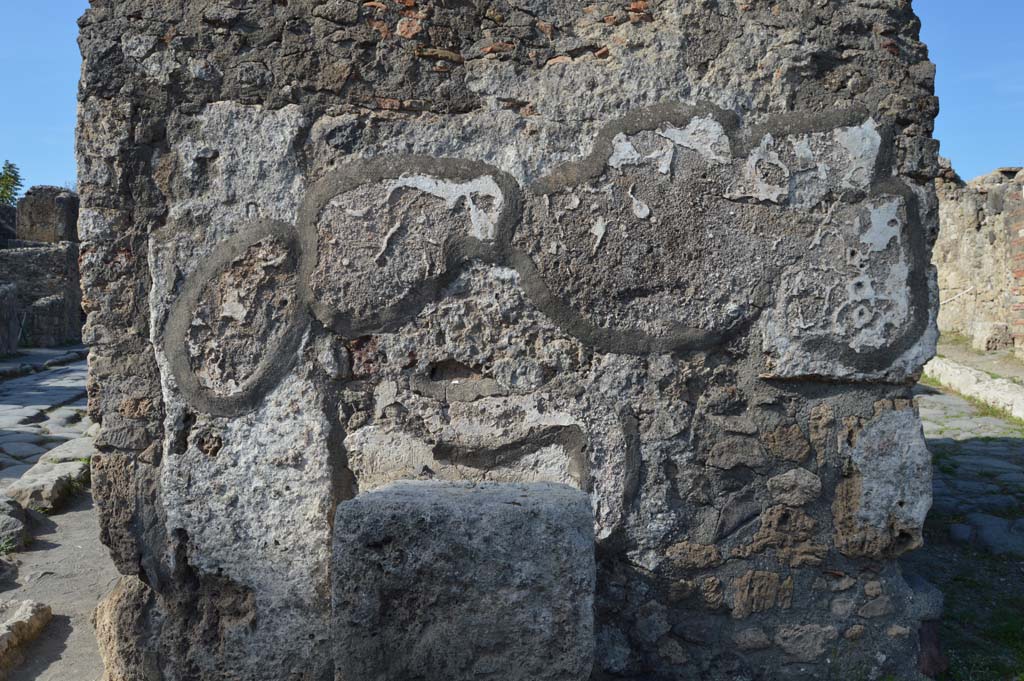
(976, 45)
(38, 88)
(978, 52)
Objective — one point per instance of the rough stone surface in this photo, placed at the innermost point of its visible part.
(120, 621)
(12, 524)
(461, 581)
(22, 622)
(661, 253)
(977, 256)
(885, 494)
(48, 214)
(49, 299)
(10, 319)
(46, 485)
(79, 450)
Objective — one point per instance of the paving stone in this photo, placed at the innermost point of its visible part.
(14, 417)
(961, 533)
(11, 474)
(996, 503)
(20, 450)
(33, 359)
(947, 504)
(1012, 479)
(999, 535)
(7, 460)
(72, 450)
(47, 485)
(7, 438)
(974, 487)
(987, 464)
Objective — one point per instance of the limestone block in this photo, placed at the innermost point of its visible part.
(460, 581)
(47, 485)
(880, 506)
(23, 622)
(48, 214)
(77, 450)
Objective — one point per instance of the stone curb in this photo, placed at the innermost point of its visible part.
(1000, 393)
(26, 368)
(47, 486)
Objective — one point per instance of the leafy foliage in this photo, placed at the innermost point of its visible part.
(10, 184)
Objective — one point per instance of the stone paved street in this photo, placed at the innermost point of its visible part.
(979, 472)
(974, 536)
(38, 412)
(44, 452)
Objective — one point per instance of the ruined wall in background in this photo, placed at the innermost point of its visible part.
(45, 278)
(48, 214)
(39, 264)
(673, 253)
(980, 258)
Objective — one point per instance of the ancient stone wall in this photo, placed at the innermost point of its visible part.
(48, 214)
(10, 320)
(46, 279)
(671, 253)
(980, 258)
(8, 222)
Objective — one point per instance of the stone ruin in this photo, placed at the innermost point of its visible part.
(40, 295)
(979, 256)
(48, 214)
(8, 222)
(508, 340)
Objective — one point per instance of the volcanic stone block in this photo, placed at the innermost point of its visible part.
(48, 214)
(462, 581)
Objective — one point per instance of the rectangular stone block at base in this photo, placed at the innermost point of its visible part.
(457, 581)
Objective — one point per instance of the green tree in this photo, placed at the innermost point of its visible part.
(10, 184)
